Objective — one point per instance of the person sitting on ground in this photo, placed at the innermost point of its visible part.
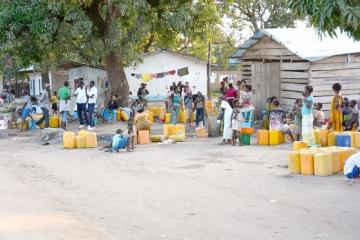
(236, 120)
(26, 109)
(319, 116)
(54, 104)
(277, 119)
(352, 166)
(119, 141)
(347, 114)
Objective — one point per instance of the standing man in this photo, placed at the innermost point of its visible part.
(91, 94)
(81, 101)
(64, 104)
(199, 106)
(44, 101)
(142, 93)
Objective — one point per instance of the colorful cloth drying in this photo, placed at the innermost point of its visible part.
(183, 71)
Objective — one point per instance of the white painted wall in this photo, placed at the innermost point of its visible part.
(166, 61)
(35, 83)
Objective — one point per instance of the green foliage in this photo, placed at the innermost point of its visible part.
(259, 14)
(50, 31)
(330, 15)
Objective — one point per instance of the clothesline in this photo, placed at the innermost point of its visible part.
(147, 77)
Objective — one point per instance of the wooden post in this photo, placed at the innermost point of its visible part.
(209, 71)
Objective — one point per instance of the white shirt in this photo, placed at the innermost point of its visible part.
(92, 91)
(81, 95)
(351, 162)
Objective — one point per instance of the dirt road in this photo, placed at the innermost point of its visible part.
(194, 190)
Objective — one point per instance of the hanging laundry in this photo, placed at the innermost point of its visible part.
(147, 77)
(133, 74)
(154, 75)
(166, 74)
(172, 72)
(183, 71)
(160, 75)
(138, 76)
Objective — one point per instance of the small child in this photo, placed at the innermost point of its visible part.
(355, 115)
(319, 116)
(131, 135)
(54, 103)
(236, 120)
(347, 115)
(119, 141)
(352, 166)
(188, 102)
(278, 118)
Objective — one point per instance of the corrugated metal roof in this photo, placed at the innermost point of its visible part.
(306, 43)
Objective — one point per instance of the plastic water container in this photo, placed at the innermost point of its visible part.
(156, 138)
(91, 140)
(336, 167)
(332, 139)
(297, 145)
(169, 129)
(323, 135)
(168, 118)
(307, 163)
(118, 115)
(124, 116)
(356, 139)
(144, 137)
(343, 140)
(245, 139)
(177, 138)
(69, 140)
(80, 141)
(263, 137)
(54, 122)
(294, 162)
(127, 111)
(323, 164)
(275, 137)
(247, 130)
(245, 125)
(180, 129)
(317, 137)
(182, 117)
(150, 116)
(201, 132)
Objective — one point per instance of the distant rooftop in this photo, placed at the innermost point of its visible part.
(306, 43)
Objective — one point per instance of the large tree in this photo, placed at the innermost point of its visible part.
(109, 32)
(259, 14)
(330, 15)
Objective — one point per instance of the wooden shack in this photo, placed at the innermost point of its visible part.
(280, 62)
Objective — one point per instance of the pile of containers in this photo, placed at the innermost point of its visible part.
(246, 132)
(270, 137)
(84, 139)
(175, 132)
(319, 161)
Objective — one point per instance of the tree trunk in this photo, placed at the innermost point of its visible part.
(118, 83)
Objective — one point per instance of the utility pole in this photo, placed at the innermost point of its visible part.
(209, 71)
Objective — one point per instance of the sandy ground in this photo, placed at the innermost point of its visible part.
(193, 190)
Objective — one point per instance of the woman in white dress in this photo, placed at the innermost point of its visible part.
(227, 132)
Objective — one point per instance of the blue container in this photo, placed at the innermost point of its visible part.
(343, 140)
